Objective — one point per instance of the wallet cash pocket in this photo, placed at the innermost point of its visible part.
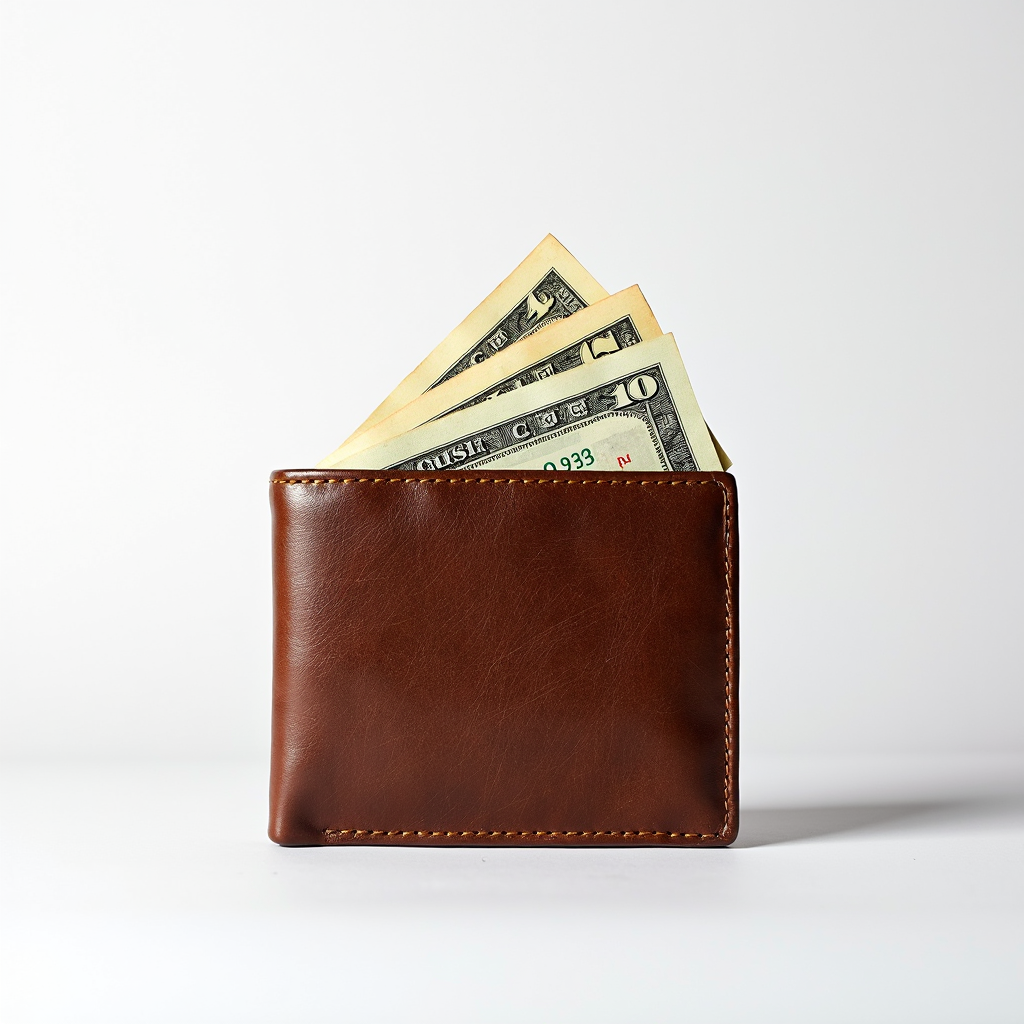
(513, 659)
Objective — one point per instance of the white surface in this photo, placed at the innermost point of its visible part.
(229, 229)
(882, 890)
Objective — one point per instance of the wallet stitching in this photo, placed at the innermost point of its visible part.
(495, 480)
(331, 833)
(726, 497)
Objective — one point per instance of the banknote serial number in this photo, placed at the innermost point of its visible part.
(575, 460)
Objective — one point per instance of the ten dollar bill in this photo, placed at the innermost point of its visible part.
(631, 410)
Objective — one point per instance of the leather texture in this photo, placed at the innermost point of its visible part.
(524, 659)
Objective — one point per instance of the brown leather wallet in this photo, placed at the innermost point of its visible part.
(504, 659)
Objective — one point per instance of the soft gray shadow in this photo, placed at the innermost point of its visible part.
(772, 825)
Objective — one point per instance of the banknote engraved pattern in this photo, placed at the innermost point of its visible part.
(643, 395)
(613, 338)
(549, 300)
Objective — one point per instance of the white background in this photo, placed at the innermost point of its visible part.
(229, 229)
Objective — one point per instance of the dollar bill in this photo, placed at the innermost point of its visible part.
(606, 327)
(632, 410)
(548, 285)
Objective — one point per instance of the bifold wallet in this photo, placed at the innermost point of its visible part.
(504, 659)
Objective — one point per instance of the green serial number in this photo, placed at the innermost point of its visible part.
(578, 460)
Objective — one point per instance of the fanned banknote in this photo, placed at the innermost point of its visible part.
(632, 409)
(548, 285)
(606, 327)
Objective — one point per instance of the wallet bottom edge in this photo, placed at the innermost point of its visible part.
(609, 840)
